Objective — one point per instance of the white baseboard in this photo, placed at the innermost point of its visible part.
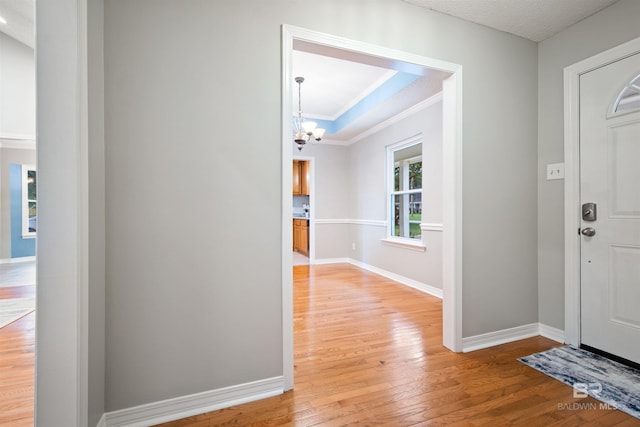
(194, 404)
(16, 260)
(472, 343)
(331, 261)
(423, 287)
(491, 339)
(552, 333)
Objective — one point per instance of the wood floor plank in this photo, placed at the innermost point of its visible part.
(369, 351)
(17, 349)
(17, 362)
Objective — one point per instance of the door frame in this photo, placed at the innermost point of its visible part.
(572, 217)
(452, 183)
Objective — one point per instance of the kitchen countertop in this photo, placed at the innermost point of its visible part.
(296, 216)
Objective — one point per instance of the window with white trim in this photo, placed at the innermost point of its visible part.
(29, 201)
(404, 189)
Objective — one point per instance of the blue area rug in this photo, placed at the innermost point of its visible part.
(610, 382)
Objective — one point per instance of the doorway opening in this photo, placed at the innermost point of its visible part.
(303, 209)
(295, 38)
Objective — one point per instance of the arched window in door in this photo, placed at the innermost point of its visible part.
(629, 98)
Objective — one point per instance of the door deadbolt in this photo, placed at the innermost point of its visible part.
(589, 212)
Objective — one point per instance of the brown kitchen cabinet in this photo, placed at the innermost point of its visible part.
(300, 177)
(301, 236)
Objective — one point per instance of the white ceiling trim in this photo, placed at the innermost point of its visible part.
(398, 117)
(385, 124)
(375, 85)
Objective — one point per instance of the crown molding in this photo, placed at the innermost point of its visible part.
(398, 117)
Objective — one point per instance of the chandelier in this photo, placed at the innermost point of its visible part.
(304, 130)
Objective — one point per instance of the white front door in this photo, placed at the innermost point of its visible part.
(610, 178)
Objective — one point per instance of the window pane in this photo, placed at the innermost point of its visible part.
(396, 178)
(405, 163)
(407, 215)
(629, 98)
(415, 175)
(33, 217)
(409, 152)
(31, 185)
(415, 206)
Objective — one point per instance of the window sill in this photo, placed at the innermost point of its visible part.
(406, 244)
(29, 236)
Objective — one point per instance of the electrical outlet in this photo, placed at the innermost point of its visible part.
(353, 246)
(555, 171)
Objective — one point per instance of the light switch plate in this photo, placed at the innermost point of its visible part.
(555, 171)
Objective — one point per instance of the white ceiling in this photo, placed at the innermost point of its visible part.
(337, 80)
(333, 85)
(532, 19)
(19, 15)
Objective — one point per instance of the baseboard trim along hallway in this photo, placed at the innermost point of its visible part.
(491, 339)
(368, 350)
(431, 290)
(194, 404)
(471, 343)
(199, 403)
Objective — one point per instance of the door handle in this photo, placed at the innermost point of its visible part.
(589, 231)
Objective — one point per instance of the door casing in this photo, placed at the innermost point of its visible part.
(452, 183)
(572, 179)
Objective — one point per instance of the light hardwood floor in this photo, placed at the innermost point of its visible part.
(368, 351)
(17, 364)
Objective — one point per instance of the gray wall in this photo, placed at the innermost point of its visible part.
(368, 198)
(332, 197)
(332, 171)
(193, 197)
(18, 88)
(611, 27)
(184, 313)
(8, 156)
